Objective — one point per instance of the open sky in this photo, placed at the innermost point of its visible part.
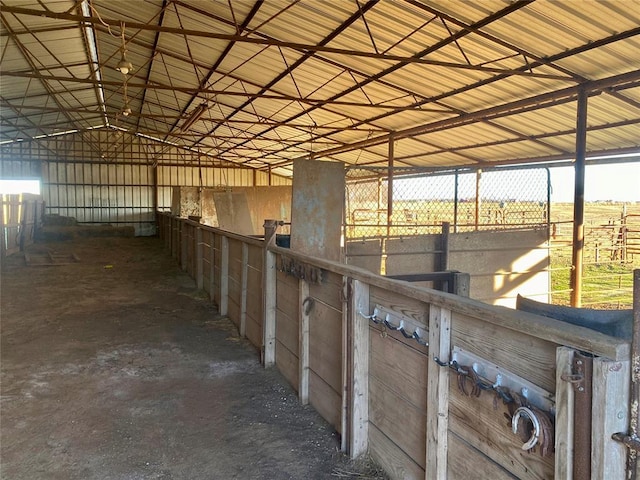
(619, 182)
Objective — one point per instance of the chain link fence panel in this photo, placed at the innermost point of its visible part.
(422, 201)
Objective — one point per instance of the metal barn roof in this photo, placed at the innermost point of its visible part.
(260, 83)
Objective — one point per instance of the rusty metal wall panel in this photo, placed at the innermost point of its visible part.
(317, 208)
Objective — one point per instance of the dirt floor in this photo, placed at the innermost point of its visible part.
(116, 367)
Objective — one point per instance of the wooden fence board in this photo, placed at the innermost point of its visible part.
(325, 345)
(526, 356)
(482, 423)
(402, 304)
(390, 457)
(325, 400)
(330, 291)
(465, 463)
(287, 363)
(402, 369)
(254, 332)
(399, 420)
(287, 331)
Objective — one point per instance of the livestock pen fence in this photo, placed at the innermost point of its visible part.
(422, 380)
(393, 203)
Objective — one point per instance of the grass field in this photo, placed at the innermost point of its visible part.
(609, 259)
(608, 266)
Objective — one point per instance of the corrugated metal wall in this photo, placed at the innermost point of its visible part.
(98, 177)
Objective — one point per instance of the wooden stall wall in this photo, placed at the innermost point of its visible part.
(288, 304)
(398, 389)
(390, 365)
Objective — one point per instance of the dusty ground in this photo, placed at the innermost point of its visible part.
(116, 367)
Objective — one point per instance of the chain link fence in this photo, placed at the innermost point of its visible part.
(421, 201)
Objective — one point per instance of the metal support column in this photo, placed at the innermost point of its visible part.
(390, 184)
(478, 199)
(578, 200)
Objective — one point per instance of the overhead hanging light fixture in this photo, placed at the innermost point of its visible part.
(126, 108)
(196, 114)
(124, 65)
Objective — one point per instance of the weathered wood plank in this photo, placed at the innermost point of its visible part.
(244, 289)
(526, 356)
(390, 457)
(400, 368)
(330, 291)
(287, 364)
(233, 312)
(325, 344)
(482, 424)
(465, 463)
(359, 371)
(223, 295)
(402, 304)
(399, 420)
(255, 259)
(610, 386)
(199, 259)
(438, 394)
(287, 331)
(269, 309)
(254, 332)
(564, 415)
(325, 400)
(287, 297)
(303, 341)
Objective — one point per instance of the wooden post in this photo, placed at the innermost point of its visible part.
(478, 198)
(461, 284)
(610, 415)
(212, 266)
(243, 291)
(183, 245)
(346, 372)
(359, 358)
(390, 174)
(438, 393)
(303, 341)
(224, 276)
(199, 259)
(564, 415)
(269, 280)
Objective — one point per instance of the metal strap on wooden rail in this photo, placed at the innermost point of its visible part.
(381, 316)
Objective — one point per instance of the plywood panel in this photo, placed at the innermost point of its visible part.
(317, 209)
